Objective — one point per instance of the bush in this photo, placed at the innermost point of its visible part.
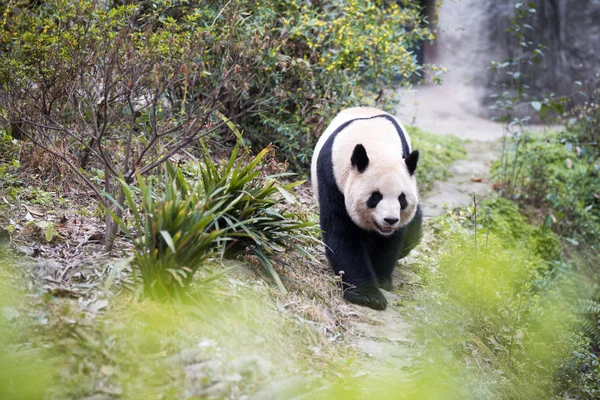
(232, 210)
(174, 234)
(555, 177)
(505, 221)
(347, 53)
(113, 90)
(252, 214)
(551, 174)
(493, 312)
(122, 88)
(9, 161)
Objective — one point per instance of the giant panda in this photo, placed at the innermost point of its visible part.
(363, 178)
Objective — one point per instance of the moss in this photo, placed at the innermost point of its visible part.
(552, 173)
(510, 225)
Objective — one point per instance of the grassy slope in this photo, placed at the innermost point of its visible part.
(238, 336)
(436, 154)
(491, 314)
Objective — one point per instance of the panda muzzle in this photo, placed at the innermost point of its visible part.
(385, 229)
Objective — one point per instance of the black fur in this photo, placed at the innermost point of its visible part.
(411, 161)
(374, 199)
(359, 158)
(367, 259)
(403, 202)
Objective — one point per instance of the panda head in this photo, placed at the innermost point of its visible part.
(381, 194)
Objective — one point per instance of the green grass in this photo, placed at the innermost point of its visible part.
(554, 177)
(493, 312)
(231, 337)
(436, 154)
(25, 368)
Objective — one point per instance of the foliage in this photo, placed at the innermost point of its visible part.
(492, 306)
(25, 368)
(437, 153)
(512, 104)
(9, 161)
(583, 122)
(555, 177)
(579, 377)
(126, 87)
(505, 221)
(106, 90)
(591, 309)
(232, 208)
(250, 212)
(174, 234)
(315, 58)
(227, 339)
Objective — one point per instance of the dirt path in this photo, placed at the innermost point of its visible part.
(385, 337)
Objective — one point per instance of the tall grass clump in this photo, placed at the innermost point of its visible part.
(232, 209)
(173, 233)
(255, 221)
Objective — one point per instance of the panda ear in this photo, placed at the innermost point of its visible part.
(359, 158)
(411, 162)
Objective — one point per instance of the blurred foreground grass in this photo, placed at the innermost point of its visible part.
(490, 309)
(25, 369)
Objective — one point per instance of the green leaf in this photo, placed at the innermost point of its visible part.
(49, 235)
(537, 106)
(169, 240)
(115, 270)
(544, 111)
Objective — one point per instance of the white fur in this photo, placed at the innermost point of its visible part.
(386, 172)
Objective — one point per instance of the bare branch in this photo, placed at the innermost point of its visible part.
(66, 161)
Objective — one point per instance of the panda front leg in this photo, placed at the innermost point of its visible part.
(387, 251)
(347, 252)
(384, 257)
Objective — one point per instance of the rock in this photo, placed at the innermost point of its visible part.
(251, 365)
(284, 389)
(569, 33)
(186, 357)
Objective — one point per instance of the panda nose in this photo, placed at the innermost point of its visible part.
(391, 221)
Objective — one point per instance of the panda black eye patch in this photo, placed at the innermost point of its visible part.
(374, 199)
(403, 202)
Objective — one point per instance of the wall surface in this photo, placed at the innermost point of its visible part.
(471, 33)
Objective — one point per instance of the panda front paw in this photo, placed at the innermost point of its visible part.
(366, 295)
